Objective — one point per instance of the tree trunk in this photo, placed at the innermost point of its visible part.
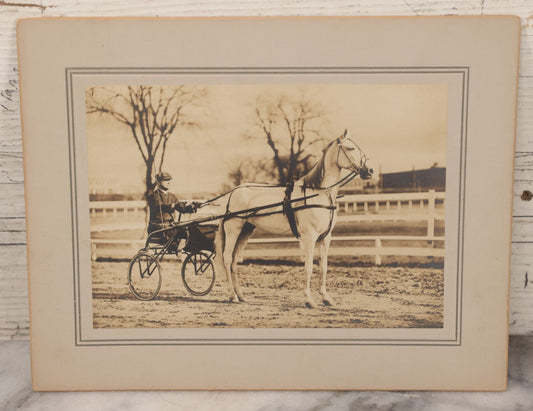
(147, 189)
(148, 178)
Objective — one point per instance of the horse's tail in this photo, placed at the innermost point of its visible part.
(220, 241)
(220, 237)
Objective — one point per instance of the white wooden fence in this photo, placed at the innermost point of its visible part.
(352, 208)
(116, 207)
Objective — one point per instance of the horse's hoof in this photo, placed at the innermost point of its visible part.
(242, 300)
(234, 299)
(309, 304)
(328, 303)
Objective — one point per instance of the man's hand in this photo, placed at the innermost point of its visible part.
(180, 206)
(190, 208)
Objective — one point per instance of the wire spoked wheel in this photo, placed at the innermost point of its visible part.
(198, 273)
(144, 276)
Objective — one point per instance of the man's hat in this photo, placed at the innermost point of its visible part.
(163, 176)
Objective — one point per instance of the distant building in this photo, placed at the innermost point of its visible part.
(414, 180)
(107, 186)
(358, 186)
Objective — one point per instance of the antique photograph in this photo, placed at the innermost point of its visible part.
(267, 205)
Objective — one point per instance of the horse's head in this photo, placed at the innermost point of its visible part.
(351, 157)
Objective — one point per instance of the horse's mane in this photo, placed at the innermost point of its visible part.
(313, 179)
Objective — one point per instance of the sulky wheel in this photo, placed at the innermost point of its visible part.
(198, 273)
(144, 276)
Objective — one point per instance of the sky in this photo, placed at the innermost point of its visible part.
(398, 126)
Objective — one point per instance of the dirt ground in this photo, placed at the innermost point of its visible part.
(365, 296)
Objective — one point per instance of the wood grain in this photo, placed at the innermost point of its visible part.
(13, 283)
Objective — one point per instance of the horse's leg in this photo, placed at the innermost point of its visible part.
(220, 240)
(244, 235)
(308, 245)
(324, 248)
(232, 229)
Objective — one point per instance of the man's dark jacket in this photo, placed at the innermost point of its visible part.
(160, 203)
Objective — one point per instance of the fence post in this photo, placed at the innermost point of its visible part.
(378, 251)
(431, 215)
(93, 251)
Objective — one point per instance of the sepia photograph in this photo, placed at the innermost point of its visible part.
(267, 205)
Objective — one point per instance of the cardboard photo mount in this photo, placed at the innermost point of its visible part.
(477, 57)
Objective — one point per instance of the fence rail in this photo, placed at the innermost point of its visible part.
(352, 208)
(347, 203)
(116, 206)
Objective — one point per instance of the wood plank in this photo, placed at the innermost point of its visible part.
(14, 314)
(520, 307)
(11, 195)
(10, 140)
(11, 168)
(523, 229)
(12, 231)
(524, 138)
(11, 200)
(524, 165)
(522, 208)
(522, 201)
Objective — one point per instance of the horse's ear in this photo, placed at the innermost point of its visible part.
(345, 132)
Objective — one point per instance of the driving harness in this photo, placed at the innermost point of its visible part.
(288, 210)
(287, 204)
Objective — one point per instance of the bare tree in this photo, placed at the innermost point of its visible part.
(290, 126)
(152, 114)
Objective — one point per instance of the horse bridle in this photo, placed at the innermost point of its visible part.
(343, 181)
(354, 167)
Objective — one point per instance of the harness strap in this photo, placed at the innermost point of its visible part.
(332, 214)
(289, 211)
(305, 207)
(257, 213)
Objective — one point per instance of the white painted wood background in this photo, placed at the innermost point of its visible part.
(13, 275)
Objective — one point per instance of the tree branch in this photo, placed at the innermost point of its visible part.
(149, 114)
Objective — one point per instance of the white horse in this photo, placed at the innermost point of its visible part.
(314, 217)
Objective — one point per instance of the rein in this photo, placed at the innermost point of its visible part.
(287, 208)
(343, 181)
